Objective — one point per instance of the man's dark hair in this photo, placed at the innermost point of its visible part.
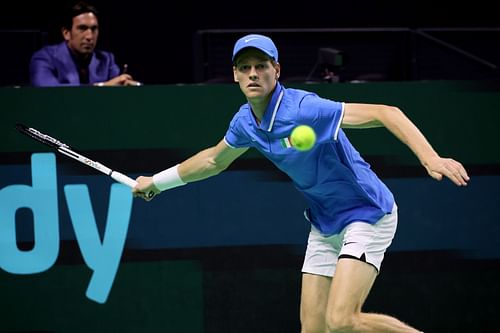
(75, 10)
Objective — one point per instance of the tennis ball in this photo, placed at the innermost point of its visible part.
(303, 138)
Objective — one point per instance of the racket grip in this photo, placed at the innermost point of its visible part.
(121, 178)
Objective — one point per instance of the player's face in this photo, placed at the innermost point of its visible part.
(82, 38)
(256, 74)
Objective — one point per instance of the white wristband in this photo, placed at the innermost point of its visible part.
(168, 179)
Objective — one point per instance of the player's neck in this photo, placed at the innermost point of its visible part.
(259, 107)
(257, 119)
(258, 114)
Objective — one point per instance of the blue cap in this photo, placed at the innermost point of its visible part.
(260, 42)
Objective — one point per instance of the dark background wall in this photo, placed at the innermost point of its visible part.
(155, 38)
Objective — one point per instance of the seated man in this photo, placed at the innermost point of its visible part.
(75, 61)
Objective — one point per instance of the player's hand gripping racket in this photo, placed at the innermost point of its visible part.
(68, 151)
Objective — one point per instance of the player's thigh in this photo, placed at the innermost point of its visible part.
(359, 261)
(314, 299)
(350, 287)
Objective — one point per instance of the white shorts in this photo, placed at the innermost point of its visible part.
(358, 240)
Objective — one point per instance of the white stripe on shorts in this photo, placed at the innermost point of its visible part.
(358, 239)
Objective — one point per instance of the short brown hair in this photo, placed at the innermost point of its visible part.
(78, 8)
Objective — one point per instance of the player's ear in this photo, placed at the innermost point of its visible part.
(234, 74)
(277, 67)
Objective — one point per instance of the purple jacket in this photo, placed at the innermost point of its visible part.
(54, 66)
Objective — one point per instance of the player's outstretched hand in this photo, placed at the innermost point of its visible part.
(145, 188)
(437, 167)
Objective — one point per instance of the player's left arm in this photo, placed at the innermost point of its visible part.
(392, 118)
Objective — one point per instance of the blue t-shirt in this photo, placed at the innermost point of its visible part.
(337, 183)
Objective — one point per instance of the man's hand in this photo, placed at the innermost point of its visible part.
(437, 167)
(145, 188)
(121, 80)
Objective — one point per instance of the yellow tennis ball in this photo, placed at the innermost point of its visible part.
(303, 138)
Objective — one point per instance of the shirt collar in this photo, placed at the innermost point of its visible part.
(272, 108)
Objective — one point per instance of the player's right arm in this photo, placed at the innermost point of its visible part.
(205, 164)
(209, 162)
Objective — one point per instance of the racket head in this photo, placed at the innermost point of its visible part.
(40, 137)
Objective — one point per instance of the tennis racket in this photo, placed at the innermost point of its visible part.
(68, 151)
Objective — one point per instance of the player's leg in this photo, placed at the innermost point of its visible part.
(359, 261)
(350, 286)
(319, 265)
(313, 302)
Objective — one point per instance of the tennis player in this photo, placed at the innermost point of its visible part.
(353, 215)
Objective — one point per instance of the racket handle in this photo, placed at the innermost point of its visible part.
(121, 178)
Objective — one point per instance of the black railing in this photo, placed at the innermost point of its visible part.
(368, 54)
